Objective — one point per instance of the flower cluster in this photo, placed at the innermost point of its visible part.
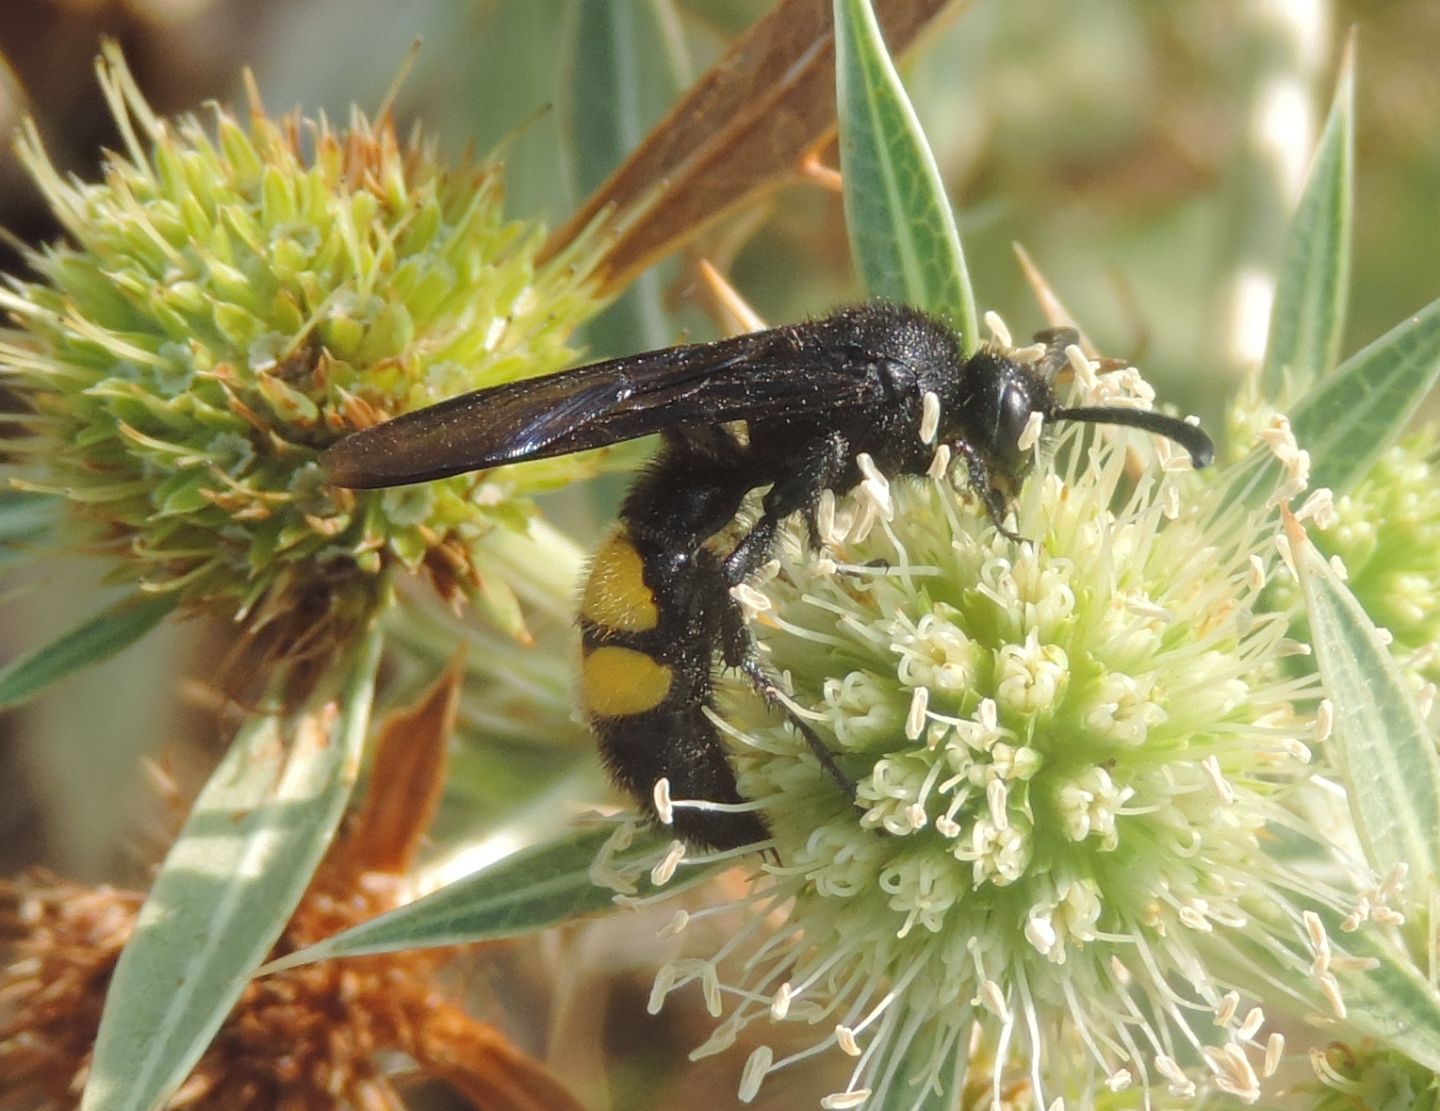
(1385, 532)
(1066, 754)
(233, 300)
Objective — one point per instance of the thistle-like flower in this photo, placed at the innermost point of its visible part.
(1385, 534)
(230, 301)
(1069, 754)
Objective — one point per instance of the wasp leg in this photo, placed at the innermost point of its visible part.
(798, 493)
(737, 650)
(995, 504)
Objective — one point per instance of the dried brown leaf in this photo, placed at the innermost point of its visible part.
(408, 777)
(478, 1062)
(748, 124)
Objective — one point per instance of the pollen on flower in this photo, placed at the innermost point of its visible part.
(1065, 754)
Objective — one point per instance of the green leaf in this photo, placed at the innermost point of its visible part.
(629, 63)
(1348, 419)
(226, 890)
(1307, 320)
(105, 634)
(1383, 747)
(537, 887)
(902, 231)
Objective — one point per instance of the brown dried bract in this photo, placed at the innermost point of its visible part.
(313, 1037)
(747, 125)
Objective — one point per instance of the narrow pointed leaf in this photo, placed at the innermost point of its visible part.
(1347, 419)
(902, 231)
(530, 890)
(1384, 748)
(629, 65)
(105, 634)
(225, 892)
(1307, 320)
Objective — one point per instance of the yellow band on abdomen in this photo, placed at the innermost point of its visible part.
(618, 682)
(616, 596)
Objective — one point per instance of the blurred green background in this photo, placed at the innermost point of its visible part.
(1146, 153)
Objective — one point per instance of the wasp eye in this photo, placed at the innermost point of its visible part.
(1011, 416)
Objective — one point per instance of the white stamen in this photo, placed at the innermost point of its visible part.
(1229, 1003)
(845, 1039)
(1180, 1084)
(1330, 989)
(998, 798)
(1394, 881)
(710, 989)
(1324, 720)
(940, 464)
(929, 416)
(1287, 557)
(1030, 435)
(1170, 504)
(1173, 461)
(1257, 572)
(842, 1101)
(1321, 506)
(825, 517)
(1221, 785)
(664, 809)
(915, 718)
(993, 1000)
(998, 329)
(1141, 606)
(1082, 368)
(1254, 1019)
(664, 981)
(678, 921)
(1274, 1051)
(664, 871)
(1236, 1075)
(754, 1072)
(780, 1003)
(752, 601)
(876, 487)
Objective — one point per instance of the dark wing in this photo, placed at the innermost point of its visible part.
(789, 371)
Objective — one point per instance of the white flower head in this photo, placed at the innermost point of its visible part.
(1064, 758)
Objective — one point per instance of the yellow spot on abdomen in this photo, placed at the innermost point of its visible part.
(616, 596)
(619, 682)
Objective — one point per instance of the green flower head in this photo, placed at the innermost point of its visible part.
(1385, 533)
(232, 299)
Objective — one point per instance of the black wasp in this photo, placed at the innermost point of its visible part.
(790, 409)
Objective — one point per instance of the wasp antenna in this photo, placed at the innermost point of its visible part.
(1189, 436)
